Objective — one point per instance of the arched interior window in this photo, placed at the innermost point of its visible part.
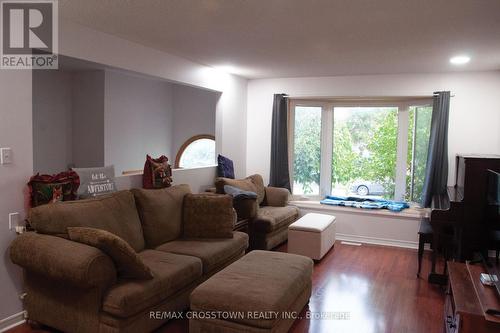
(198, 151)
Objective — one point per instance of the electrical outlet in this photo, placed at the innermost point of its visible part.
(5, 156)
(13, 220)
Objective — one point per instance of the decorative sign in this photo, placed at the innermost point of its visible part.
(95, 181)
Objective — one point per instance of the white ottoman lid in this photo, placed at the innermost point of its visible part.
(313, 222)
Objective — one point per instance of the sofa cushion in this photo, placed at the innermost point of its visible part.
(172, 272)
(160, 211)
(127, 262)
(213, 252)
(114, 212)
(272, 218)
(208, 216)
(253, 183)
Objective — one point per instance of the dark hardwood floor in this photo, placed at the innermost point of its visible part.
(378, 287)
(374, 288)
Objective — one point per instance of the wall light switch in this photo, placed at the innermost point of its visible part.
(13, 220)
(5, 156)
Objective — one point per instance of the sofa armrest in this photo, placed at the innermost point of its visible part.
(276, 196)
(63, 260)
(246, 208)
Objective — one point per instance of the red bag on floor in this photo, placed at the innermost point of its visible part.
(157, 173)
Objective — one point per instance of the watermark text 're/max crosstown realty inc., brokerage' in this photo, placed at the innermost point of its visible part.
(29, 34)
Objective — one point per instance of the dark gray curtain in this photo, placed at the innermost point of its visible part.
(279, 176)
(436, 173)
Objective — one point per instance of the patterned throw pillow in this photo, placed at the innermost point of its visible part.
(208, 216)
(225, 167)
(157, 173)
(46, 189)
(95, 181)
(128, 263)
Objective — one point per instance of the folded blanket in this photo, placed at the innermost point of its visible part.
(367, 203)
(237, 193)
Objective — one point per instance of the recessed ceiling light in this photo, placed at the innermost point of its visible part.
(229, 69)
(460, 60)
(233, 69)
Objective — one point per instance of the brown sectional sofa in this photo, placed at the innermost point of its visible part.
(269, 216)
(75, 288)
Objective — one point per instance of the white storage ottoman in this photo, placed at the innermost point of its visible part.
(312, 235)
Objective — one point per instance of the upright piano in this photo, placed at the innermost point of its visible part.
(457, 217)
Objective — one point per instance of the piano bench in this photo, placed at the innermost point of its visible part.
(425, 236)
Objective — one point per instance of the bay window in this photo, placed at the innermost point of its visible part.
(375, 148)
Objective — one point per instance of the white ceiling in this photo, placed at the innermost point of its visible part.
(291, 38)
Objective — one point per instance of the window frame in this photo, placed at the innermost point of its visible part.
(328, 106)
(189, 141)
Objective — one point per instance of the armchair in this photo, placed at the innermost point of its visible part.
(269, 215)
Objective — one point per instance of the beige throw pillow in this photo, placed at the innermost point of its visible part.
(128, 263)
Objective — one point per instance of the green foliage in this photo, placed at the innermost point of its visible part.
(360, 123)
(370, 154)
(307, 140)
(382, 145)
(422, 133)
(364, 147)
(344, 159)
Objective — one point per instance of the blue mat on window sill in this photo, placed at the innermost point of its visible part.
(366, 203)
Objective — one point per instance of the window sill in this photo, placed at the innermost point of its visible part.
(195, 168)
(410, 213)
(140, 172)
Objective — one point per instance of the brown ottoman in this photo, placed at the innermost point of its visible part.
(262, 292)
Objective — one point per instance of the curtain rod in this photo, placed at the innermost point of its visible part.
(340, 98)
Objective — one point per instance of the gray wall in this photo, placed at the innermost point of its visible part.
(88, 119)
(96, 118)
(52, 116)
(68, 120)
(194, 114)
(138, 120)
(149, 116)
(15, 132)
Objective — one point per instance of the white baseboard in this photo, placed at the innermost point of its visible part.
(12, 321)
(387, 242)
(377, 241)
